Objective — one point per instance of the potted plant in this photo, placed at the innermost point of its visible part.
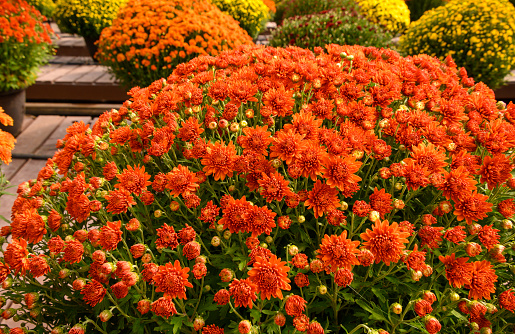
(25, 44)
(86, 18)
(349, 190)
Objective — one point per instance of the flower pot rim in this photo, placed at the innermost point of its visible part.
(12, 91)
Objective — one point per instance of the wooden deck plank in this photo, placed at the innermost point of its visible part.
(11, 169)
(48, 147)
(57, 73)
(29, 171)
(107, 78)
(36, 134)
(73, 75)
(94, 73)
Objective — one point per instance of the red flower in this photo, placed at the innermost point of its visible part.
(496, 170)
(219, 160)
(134, 179)
(120, 290)
(430, 236)
(483, 280)
(458, 184)
(472, 207)
(222, 297)
(73, 251)
(381, 202)
(338, 251)
(243, 291)
(343, 277)
(191, 250)
(429, 156)
(172, 279)
(457, 271)
(287, 146)
(506, 208)
(422, 307)
(4, 271)
(209, 213)
(489, 236)
(93, 292)
(270, 276)
(301, 322)
(322, 198)
(181, 181)
(234, 215)
(212, 329)
(455, 234)
(361, 208)
(295, 305)
(507, 300)
(310, 160)
(301, 280)
(190, 129)
(273, 187)
(385, 241)
(167, 238)
(38, 266)
(164, 307)
(119, 201)
(280, 101)
(255, 140)
(416, 260)
(110, 235)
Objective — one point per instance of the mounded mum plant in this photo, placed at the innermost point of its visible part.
(347, 190)
(150, 38)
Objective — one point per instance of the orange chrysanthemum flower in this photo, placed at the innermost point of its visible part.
(167, 237)
(482, 283)
(190, 129)
(164, 307)
(16, 256)
(429, 156)
(7, 142)
(322, 198)
(310, 160)
(93, 292)
(496, 170)
(260, 220)
(274, 187)
(181, 181)
(134, 179)
(219, 160)
(340, 173)
(270, 276)
(472, 207)
(172, 279)
(110, 235)
(119, 201)
(489, 236)
(280, 101)
(381, 201)
(457, 270)
(416, 260)
(385, 241)
(338, 251)
(287, 146)
(255, 140)
(458, 184)
(305, 123)
(234, 215)
(243, 291)
(73, 251)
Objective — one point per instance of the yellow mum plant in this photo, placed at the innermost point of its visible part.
(394, 15)
(478, 34)
(86, 18)
(251, 14)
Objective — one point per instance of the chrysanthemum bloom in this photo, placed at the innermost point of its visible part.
(507, 300)
(143, 306)
(496, 170)
(489, 236)
(482, 283)
(339, 173)
(110, 171)
(181, 181)
(164, 307)
(279, 100)
(295, 305)
(458, 184)
(416, 259)
(212, 329)
(186, 235)
(365, 257)
(190, 129)
(273, 187)
(430, 156)
(119, 201)
(301, 322)
(172, 279)
(322, 198)
(222, 297)
(361, 208)
(287, 146)
(120, 290)
(456, 234)
(243, 291)
(385, 241)
(4, 271)
(422, 307)
(338, 251)
(110, 235)
(133, 179)
(457, 271)
(506, 208)
(199, 270)
(381, 202)
(343, 277)
(432, 325)
(472, 207)
(219, 160)
(300, 260)
(244, 327)
(235, 214)
(73, 251)
(311, 159)
(315, 328)
(473, 249)
(280, 319)
(260, 220)
(209, 213)
(255, 140)
(167, 238)
(430, 236)
(38, 266)
(191, 250)
(416, 175)
(270, 276)
(137, 250)
(93, 292)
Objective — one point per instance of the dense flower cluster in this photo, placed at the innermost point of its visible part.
(251, 14)
(25, 44)
(274, 187)
(479, 35)
(290, 8)
(338, 26)
(45, 7)
(7, 140)
(393, 15)
(150, 38)
(86, 18)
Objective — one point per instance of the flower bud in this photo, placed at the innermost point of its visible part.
(474, 228)
(227, 234)
(399, 204)
(244, 327)
(158, 213)
(398, 186)
(143, 306)
(396, 308)
(507, 224)
(293, 250)
(105, 315)
(473, 249)
(79, 283)
(223, 123)
(212, 125)
(249, 113)
(244, 124)
(322, 289)
(416, 275)
(219, 227)
(7, 283)
(344, 205)
(234, 127)
(174, 206)
(201, 259)
(269, 239)
(215, 241)
(63, 273)
(301, 219)
(207, 288)
(280, 319)
(232, 188)
(427, 271)
(263, 245)
(198, 323)
(454, 297)
(485, 330)
(374, 216)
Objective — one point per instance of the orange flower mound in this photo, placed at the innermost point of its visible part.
(306, 189)
(149, 38)
(7, 140)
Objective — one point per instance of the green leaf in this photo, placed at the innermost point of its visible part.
(379, 294)
(375, 312)
(177, 323)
